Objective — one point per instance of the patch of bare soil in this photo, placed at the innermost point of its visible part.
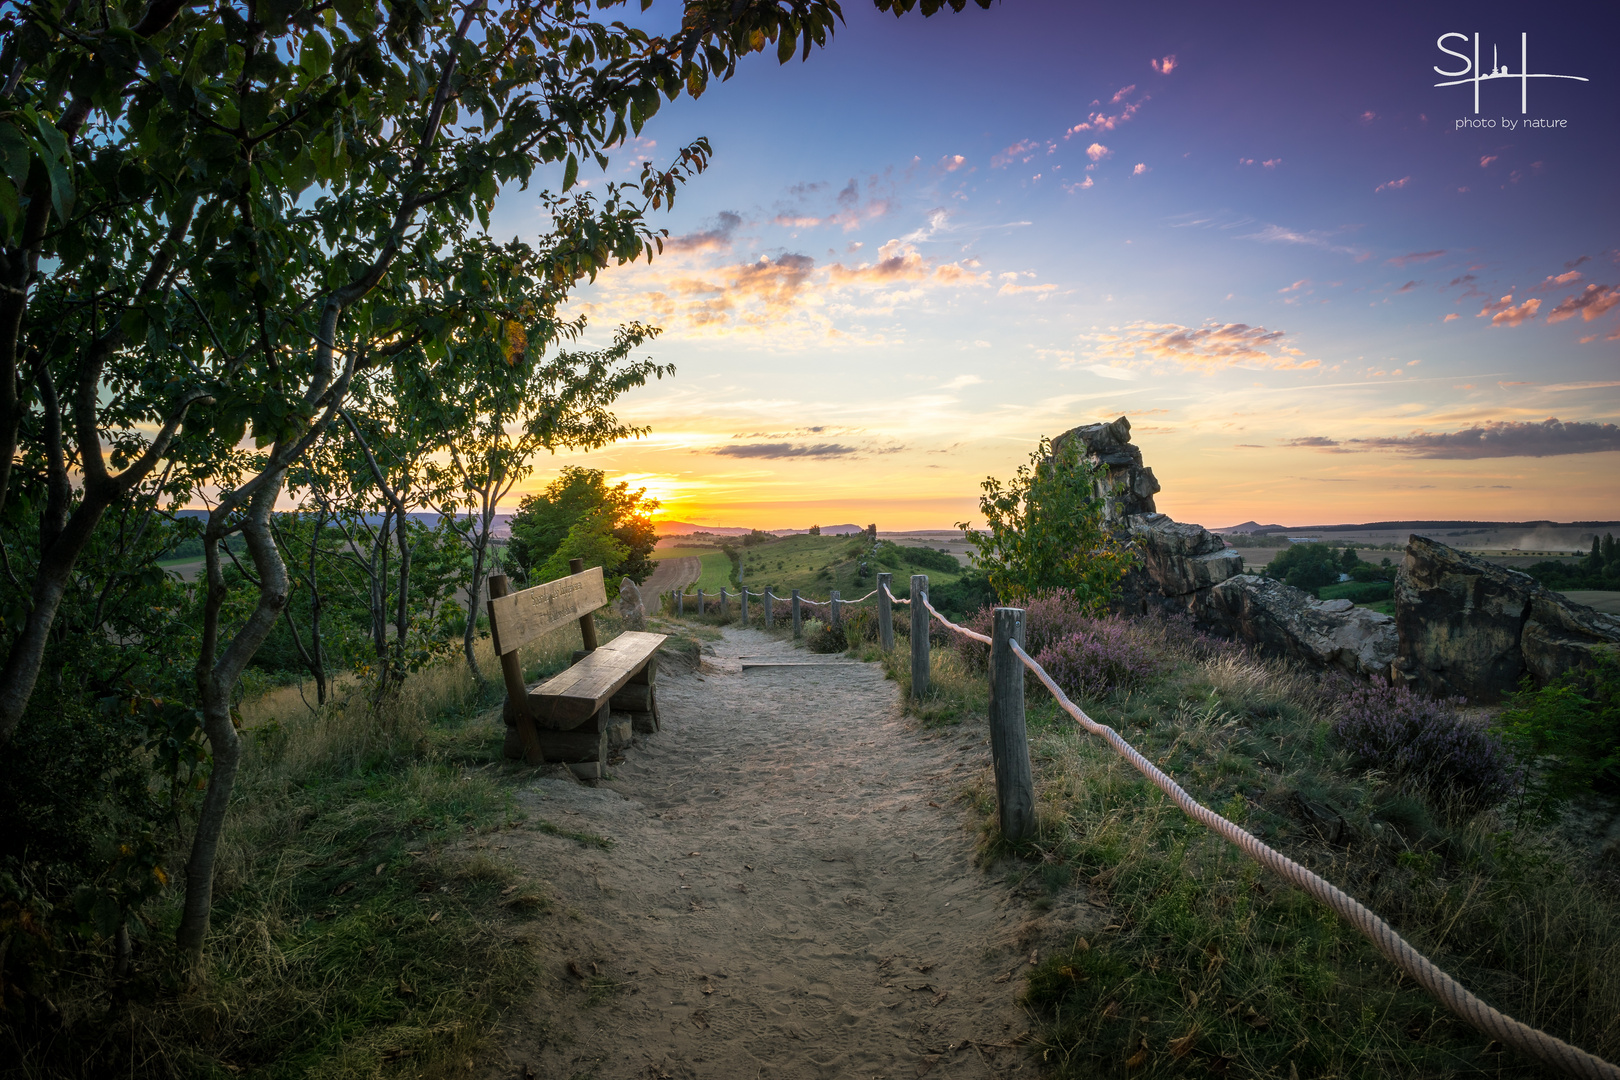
(790, 893)
(672, 574)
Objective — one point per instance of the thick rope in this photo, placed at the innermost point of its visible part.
(893, 599)
(1445, 989)
(964, 631)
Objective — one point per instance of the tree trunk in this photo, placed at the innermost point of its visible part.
(217, 675)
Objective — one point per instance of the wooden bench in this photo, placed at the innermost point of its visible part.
(569, 717)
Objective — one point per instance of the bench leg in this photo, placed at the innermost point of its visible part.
(522, 741)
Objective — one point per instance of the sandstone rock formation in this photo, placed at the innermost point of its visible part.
(1182, 558)
(630, 607)
(1473, 628)
(1286, 621)
(1128, 486)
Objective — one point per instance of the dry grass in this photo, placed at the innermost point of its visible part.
(1208, 965)
(357, 932)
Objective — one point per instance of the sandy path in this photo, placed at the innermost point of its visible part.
(790, 893)
(672, 574)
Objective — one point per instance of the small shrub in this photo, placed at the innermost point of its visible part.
(1105, 657)
(1426, 742)
(824, 638)
(1572, 727)
(1049, 618)
(860, 624)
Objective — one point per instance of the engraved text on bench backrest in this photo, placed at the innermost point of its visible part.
(519, 618)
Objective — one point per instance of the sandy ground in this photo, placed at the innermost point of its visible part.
(672, 574)
(791, 892)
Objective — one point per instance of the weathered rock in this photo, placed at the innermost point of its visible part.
(1473, 628)
(1128, 486)
(630, 607)
(1182, 558)
(1561, 634)
(1460, 620)
(1283, 620)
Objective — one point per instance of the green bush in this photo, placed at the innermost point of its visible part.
(1571, 727)
(1361, 592)
(825, 638)
(1305, 566)
(929, 559)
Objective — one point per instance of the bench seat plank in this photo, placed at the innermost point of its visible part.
(572, 697)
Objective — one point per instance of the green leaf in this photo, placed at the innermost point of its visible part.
(57, 164)
(570, 171)
(15, 155)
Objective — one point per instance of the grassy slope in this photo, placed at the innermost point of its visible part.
(365, 921)
(716, 567)
(817, 564)
(1204, 965)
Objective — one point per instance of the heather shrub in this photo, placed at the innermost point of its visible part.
(860, 624)
(1107, 655)
(824, 638)
(1049, 618)
(1425, 742)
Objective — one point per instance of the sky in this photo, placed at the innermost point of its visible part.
(1322, 288)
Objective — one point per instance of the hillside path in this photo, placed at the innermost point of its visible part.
(672, 574)
(790, 892)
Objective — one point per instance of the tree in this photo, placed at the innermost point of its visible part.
(1045, 530)
(579, 516)
(1305, 566)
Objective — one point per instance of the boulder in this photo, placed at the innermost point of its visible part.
(1182, 558)
(1282, 620)
(1473, 628)
(1561, 634)
(1460, 620)
(1128, 486)
(630, 607)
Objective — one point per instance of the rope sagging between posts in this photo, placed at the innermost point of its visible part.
(1441, 986)
(893, 599)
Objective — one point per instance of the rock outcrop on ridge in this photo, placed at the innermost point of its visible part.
(1469, 627)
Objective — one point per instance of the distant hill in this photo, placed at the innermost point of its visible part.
(683, 528)
(826, 530)
(1251, 527)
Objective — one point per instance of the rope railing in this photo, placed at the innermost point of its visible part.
(1398, 950)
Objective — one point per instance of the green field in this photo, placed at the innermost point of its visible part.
(716, 567)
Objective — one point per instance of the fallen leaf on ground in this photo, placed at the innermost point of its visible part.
(575, 970)
(1004, 978)
(435, 916)
(509, 890)
(1034, 957)
(1139, 1057)
(747, 867)
(343, 888)
(935, 805)
(1181, 1047)
(380, 868)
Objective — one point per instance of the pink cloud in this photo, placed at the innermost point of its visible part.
(1021, 151)
(1141, 168)
(1485, 162)
(1592, 303)
(1097, 151)
(1209, 347)
(1503, 312)
(1271, 163)
(1393, 184)
(1165, 66)
(1448, 318)
(951, 162)
(1122, 93)
(1368, 117)
(1566, 278)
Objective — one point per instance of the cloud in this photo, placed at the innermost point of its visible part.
(1210, 347)
(1450, 317)
(1393, 185)
(1139, 170)
(1403, 261)
(1485, 162)
(716, 239)
(1081, 186)
(961, 381)
(1553, 281)
(1165, 66)
(1097, 151)
(785, 450)
(1277, 234)
(1319, 442)
(1271, 163)
(1589, 304)
(1367, 117)
(1022, 152)
(950, 163)
(1504, 313)
(852, 211)
(1300, 284)
(1503, 438)
(1101, 121)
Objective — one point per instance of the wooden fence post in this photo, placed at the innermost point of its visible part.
(770, 608)
(587, 621)
(837, 618)
(798, 628)
(745, 605)
(680, 602)
(919, 637)
(885, 613)
(701, 612)
(723, 600)
(1009, 743)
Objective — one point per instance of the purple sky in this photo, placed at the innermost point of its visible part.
(1255, 229)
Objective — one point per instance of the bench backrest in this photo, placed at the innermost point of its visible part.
(519, 618)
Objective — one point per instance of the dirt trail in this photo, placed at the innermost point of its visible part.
(790, 892)
(672, 574)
